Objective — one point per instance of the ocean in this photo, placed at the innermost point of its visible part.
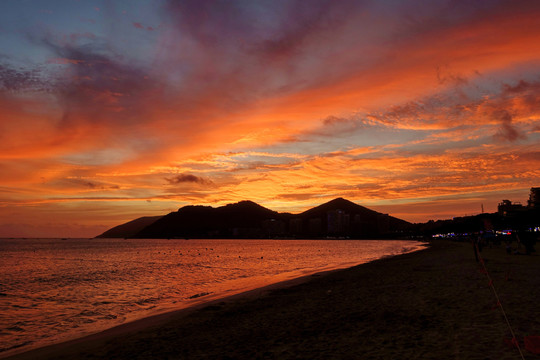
(53, 290)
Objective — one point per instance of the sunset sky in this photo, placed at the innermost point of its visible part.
(112, 110)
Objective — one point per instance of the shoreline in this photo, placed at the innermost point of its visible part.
(154, 320)
(285, 280)
(160, 318)
(432, 303)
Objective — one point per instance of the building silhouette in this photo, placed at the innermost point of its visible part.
(507, 208)
(534, 198)
(337, 222)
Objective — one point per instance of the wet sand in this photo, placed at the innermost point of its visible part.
(433, 304)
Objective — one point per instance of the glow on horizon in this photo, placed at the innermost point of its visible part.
(111, 111)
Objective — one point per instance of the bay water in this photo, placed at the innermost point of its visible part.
(53, 290)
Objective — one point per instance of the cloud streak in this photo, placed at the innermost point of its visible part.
(187, 178)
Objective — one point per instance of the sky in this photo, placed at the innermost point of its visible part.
(112, 110)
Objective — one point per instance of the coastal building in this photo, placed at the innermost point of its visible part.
(383, 223)
(273, 227)
(358, 226)
(336, 222)
(508, 208)
(315, 227)
(534, 198)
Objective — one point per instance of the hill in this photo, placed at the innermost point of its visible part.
(241, 220)
(246, 219)
(343, 218)
(130, 228)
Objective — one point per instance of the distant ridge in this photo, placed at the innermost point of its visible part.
(338, 203)
(239, 220)
(339, 218)
(130, 228)
(345, 218)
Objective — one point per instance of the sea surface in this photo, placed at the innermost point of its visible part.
(53, 290)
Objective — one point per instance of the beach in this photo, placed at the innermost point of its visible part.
(432, 304)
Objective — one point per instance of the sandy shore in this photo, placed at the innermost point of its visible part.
(433, 304)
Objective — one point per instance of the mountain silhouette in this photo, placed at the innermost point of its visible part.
(341, 217)
(338, 218)
(239, 220)
(130, 228)
(338, 203)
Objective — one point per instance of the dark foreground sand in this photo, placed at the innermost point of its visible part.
(434, 304)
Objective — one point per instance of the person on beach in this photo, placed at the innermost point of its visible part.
(474, 240)
(518, 242)
(528, 240)
(481, 242)
(508, 247)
